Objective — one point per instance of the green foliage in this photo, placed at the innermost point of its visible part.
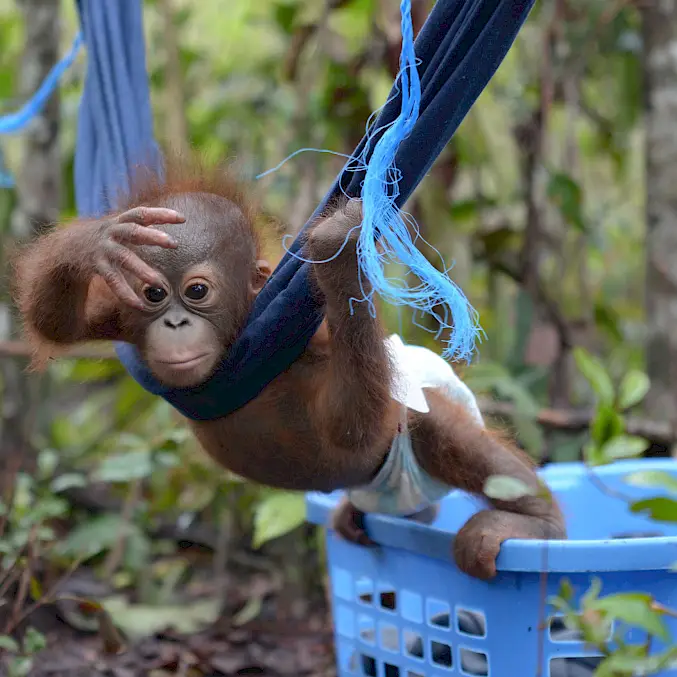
(634, 386)
(597, 616)
(595, 374)
(276, 515)
(567, 196)
(609, 442)
(21, 658)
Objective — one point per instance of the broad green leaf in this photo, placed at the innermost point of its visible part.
(137, 550)
(652, 478)
(125, 467)
(592, 455)
(608, 319)
(606, 425)
(34, 641)
(7, 643)
(595, 374)
(68, 481)
(276, 515)
(633, 661)
(635, 609)
(138, 620)
(20, 666)
(624, 446)
(566, 195)
(94, 536)
(48, 460)
(634, 386)
(503, 488)
(659, 508)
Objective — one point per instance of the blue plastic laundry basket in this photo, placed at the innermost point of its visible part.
(405, 610)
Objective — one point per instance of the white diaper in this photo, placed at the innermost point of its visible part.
(402, 487)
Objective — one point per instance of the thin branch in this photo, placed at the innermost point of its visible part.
(578, 420)
(548, 305)
(175, 91)
(22, 349)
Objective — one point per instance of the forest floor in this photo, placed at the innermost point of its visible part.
(273, 643)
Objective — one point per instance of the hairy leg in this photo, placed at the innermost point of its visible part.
(354, 411)
(348, 521)
(452, 447)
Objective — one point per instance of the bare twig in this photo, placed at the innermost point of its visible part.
(577, 420)
(47, 598)
(177, 122)
(22, 349)
(117, 552)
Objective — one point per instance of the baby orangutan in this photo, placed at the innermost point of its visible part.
(176, 272)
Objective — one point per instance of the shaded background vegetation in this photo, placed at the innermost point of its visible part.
(539, 200)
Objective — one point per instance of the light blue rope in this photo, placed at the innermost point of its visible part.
(6, 179)
(12, 123)
(15, 122)
(384, 236)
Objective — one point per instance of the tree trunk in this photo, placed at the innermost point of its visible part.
(660, 77)
(38, 204)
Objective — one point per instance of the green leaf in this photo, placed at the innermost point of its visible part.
(48, 460)
(608, 319)
(595, 374)
(125, 467)
(592, 455)
(635, 609)
(659, 508)
(68, 481)
(20, 666)
(248, 612)
(35, 589)
(624, 446)
(566, 195)
(566, 590)
(503, 488)
(652, 478)
(94, 536)
(606, 425)
(633, 661)
(634, 386)
(7, 643)
(138, 620)
(276, 515)
(34, 641)
(592, 593)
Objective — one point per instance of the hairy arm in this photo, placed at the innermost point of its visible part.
(51, 287)
(355, 410)
(71, 284)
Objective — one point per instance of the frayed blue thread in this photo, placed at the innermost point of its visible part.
(384, 227)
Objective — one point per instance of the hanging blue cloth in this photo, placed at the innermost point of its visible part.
(115, 123)
(459, 48)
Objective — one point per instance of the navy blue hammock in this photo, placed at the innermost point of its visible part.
(457, 52)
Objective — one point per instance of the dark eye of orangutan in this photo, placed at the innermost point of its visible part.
(196, 292)
(155, 294)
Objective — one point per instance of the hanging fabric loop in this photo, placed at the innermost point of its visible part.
(458, 50)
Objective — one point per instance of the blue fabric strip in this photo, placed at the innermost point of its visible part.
(460, 47)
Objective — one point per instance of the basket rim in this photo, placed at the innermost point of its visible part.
(657, 553)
